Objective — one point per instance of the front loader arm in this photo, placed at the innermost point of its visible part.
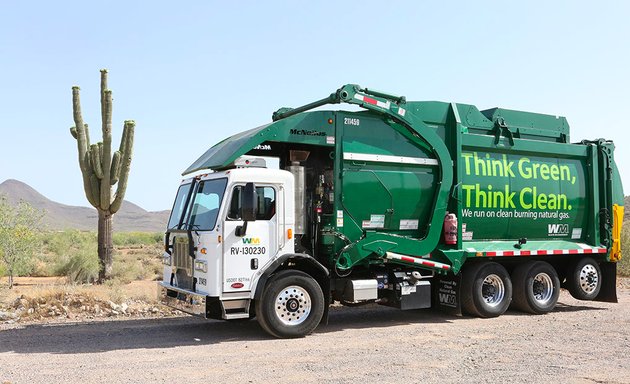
(392, 108)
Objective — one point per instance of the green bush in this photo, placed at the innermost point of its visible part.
(81, 267)
(79, 261)
(137, 238)
(73, 254)
(128, 271)
(60, 243)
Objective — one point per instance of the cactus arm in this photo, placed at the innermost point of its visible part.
(106, 160)
(115, 172)
(73, 132)
(81, 137)
(103, 88)
(87, 136)
(124, 139)
(125, 164)
(95, 188)
(95, 159)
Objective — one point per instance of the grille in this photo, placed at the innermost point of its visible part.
(181, 258)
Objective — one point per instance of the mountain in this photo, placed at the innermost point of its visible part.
(130, 218)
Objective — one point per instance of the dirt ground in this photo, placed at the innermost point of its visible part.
(580, 342)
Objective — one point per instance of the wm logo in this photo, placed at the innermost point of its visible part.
(251, 240)
(558, 229)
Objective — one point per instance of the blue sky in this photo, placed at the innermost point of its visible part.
(192, 73)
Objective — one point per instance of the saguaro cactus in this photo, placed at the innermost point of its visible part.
(101, 170)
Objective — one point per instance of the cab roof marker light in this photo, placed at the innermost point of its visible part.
(249, 162)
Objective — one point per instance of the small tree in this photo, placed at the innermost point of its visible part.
(101, 170)
(19, 227)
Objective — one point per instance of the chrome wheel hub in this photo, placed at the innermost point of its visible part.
(542, 288)
(493, 290)
(589, 278)
(293, 305)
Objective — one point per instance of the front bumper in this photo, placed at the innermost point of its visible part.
(183, 300)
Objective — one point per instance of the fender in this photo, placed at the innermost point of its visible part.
(304, 263)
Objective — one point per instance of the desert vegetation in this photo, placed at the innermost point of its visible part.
(57, 279)
(73, 255)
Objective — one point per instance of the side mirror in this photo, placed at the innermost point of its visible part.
(249, 203)
(249, 208)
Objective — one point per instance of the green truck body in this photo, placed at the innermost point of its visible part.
(532, 209)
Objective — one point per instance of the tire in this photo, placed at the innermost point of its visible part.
(536, 287)
(291, 305)
(584, 279)
(486, 289)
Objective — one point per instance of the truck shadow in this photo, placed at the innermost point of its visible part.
(103, 336)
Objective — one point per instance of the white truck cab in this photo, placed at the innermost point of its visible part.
(226, 228)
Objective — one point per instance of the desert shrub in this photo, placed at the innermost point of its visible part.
(73, 254)
(137, 238)
(61, 243)
(128, 270)
(19, 228)
(80, 266)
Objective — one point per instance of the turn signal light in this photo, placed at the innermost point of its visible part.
(289, 233)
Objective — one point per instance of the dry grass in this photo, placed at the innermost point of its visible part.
(51, 299)
(137, 256)
(67, 264)
(623, 266)
(145, 290)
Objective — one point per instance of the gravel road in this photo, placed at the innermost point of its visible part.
(580, 342)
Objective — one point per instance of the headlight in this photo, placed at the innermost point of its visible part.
(166, 259)
(201, 265)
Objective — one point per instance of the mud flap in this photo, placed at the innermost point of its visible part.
(608, 291)
(447, 295)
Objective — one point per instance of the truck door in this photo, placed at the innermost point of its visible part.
(244, 255)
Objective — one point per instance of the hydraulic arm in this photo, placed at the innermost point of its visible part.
(391, 108)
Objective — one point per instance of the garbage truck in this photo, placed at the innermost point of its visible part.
(401, 203)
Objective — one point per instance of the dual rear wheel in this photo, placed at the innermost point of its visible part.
(488, 289)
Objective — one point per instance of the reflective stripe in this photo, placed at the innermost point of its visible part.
(372, 101)
(416, 260)
(389, 158)
(542, 252)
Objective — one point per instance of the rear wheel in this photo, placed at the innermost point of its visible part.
(536, 287)
(487, 289)
(292, 305)
(584, 279)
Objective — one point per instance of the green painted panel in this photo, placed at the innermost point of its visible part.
(371, 135)
(382, 198)
(510, 196)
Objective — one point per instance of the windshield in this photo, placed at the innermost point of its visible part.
(206, 203)
(179, 206)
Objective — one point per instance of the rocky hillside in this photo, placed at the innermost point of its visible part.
(130, 218)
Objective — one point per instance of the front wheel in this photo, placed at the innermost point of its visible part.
(487, 289)
(292, 305)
